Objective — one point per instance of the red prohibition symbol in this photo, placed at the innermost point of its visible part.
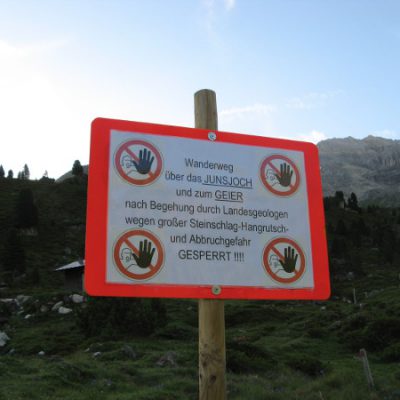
(284, 260)
(280, 175)
(138, 254)
(138, 162)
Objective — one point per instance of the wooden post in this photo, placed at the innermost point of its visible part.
(354, 296)
(212, 382)
(367, 369)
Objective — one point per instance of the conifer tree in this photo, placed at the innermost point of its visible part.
(26, 172)
(77, 169)
(10, 174)
(14, 257)
(352, 202)
(2, 173)
(26, 211)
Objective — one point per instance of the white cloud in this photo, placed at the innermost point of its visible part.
(229, 4)
(214, 9)
(312, 100)
(240, 112)
(9, 52)
(313, 136)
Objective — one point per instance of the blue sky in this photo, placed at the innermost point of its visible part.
(298, 69)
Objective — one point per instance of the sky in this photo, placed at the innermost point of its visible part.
(296, 69)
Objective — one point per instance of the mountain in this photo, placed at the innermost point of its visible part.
(368, 167)
(69, 174)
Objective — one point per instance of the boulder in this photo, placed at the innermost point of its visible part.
(21, 299)
(3, 338)
(129, 352)
(169, 358)
(57, 306)
(77, 298)
(64, 310)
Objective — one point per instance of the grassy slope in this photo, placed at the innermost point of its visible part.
(275, 350)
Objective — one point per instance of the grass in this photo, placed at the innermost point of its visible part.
(273, 353)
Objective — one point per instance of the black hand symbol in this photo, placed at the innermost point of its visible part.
(289, 263)
(145, 161)
(285, 177)
(145, 254)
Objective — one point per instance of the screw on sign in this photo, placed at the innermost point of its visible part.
(138, 162)
(280, 175)
(138, 254)
(284, 260)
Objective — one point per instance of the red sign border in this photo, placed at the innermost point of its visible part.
(97, 219)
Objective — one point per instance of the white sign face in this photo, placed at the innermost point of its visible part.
(195, 212)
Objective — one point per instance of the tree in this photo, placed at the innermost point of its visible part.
(14, 257)
(10, 174)
(2, 173)
(341, 228)
(352, 202)
(26, 211)
(339, 199)
(26, 172)
(77, 169)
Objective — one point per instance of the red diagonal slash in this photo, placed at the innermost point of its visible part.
(278, 253)
(135, 250)
(134, 156)
(277, 172)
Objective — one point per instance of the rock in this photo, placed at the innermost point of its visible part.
(27, 316)
(44, 308)
(7, 301)
(57, 306)
(3, 338)
(11, 352)
(367, 167)
(323, 308)
(335, 325)
(64, 310)
(97, 354)
(67, 251)
(350, 276)
(168, 358)
(77, 298)
(21, 299)
(129, 352)
(41, 353)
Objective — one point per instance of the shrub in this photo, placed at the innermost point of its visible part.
(114, 317)
(245, 357)
(306, 364)
(392, 353)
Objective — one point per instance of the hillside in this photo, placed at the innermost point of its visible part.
(147, 350)
(368, 167)
(59, 236)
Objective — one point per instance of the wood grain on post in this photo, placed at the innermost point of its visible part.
(212, 381)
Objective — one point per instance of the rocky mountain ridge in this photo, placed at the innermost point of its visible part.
(369, 167)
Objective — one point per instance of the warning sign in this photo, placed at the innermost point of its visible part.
(284, 260)
(138, 162)
(177, 212)
(138, 254)
(280, 175)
